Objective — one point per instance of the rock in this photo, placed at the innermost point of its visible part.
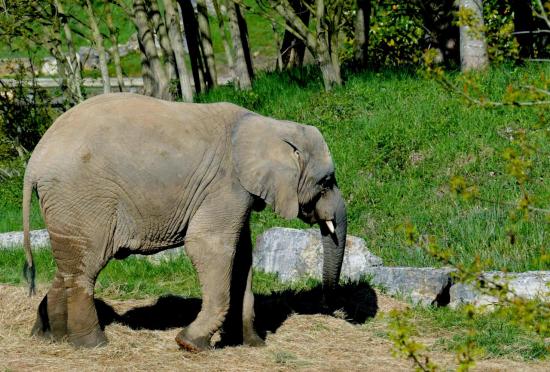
(10, 66)
(294, 254)
(89, 58)
(39, 238)
(423, 285)
(49, 66)
(162, 256)
(529, 285)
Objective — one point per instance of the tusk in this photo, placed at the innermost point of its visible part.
(330, 226)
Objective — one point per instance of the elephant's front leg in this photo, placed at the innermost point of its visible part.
(250, 337)
(239, 325)
(210, 243)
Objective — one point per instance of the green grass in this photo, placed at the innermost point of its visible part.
(135, 277)
(397, 140)
(494, 336)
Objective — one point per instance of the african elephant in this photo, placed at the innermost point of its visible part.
(123, 174)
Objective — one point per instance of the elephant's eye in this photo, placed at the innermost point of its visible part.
(326, 182)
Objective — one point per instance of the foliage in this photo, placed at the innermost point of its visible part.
(397, 35)
(25, 113)
(499, 27)
(519, 157)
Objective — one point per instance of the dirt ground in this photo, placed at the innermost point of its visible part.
(310, 342)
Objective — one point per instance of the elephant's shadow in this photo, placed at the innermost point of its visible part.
(357, 300)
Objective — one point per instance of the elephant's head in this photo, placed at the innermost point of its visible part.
(289, 166)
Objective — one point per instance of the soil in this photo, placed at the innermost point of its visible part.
(301, 339)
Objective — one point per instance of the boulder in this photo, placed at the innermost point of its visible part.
(420, 285)
(10, 66)
(294, 254)
(162, 256)
(39, 238)
(49, 66)
(89, 58)
(529, 285)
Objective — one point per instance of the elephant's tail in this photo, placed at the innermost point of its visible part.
(28, 270)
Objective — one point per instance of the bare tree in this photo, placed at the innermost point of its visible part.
(220, 11)
(323, 41)
(175, 36)
(243, 28)
(152, 67)
(473, 46)
(161, 34)
(243, 77)
(293, 49)
(192, 35)
(74, 78)
(206, 44)
(362, 27)
(100, 48)
(113, 35)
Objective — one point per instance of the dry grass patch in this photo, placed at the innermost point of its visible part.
(305, 342)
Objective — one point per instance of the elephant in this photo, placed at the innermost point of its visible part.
(123, 174)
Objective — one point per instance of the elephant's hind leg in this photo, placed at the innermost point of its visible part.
(79, 264)
(51, 321)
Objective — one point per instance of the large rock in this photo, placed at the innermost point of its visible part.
(49, 66)
(423, 285)
(529, 285)
(39, 238)
(294, 254)
(89, 58)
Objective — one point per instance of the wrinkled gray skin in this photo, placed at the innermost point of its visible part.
(122, 174)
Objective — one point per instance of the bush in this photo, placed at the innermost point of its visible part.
(25, 114)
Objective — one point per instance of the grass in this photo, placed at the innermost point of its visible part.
(397, 140)
(136, 277)
(494, 336)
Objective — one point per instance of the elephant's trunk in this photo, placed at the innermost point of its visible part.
(334, 244)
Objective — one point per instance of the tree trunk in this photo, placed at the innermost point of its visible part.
(241, 70)
(523, 23)
(52, 41)
(221, 25)
(192, 37)
(473, 46)
(98, 43)
(362, 27)
(174, 34)
(243, 31)
(161, 87)
(162, 34)
(74, 78)
(330, 67)
(206, 43)
(113, 34)
(293, 49)
(146, 72)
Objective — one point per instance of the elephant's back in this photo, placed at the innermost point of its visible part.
(156, 148)
(140, 126)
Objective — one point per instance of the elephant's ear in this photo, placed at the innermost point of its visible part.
(267, 162)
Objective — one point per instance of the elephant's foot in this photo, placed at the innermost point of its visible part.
(41, 331)
(251, 338)
(193, 345)
(95, 338)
